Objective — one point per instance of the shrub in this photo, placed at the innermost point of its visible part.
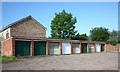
(118, 41)
(5, 59)
(113, 42)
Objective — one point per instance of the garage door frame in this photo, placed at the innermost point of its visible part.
(66, 48)
(84, 48)
(54, 51)
(102, 47)
(38, 49)
(74, 48)
(98, 47)
(22, 48)
(91, 48)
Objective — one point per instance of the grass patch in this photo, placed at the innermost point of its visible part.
(6, 59)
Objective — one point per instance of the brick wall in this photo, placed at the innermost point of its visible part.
(7, 47)
(111, 48)
(28, 28)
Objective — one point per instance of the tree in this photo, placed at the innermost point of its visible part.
(113, 33)
(81, 37)
(99, 34)
(63, 26)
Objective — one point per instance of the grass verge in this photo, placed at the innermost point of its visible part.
(6, 59)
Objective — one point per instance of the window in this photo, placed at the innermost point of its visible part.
(7, 35)
(2, 35)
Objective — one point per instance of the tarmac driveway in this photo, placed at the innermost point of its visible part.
(90, 61)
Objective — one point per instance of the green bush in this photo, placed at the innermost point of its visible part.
(5, 59)
(113, 42)
(119, 42)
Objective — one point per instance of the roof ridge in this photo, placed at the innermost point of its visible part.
(38, 22)
(22, 19)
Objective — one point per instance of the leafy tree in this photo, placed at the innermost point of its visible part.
(99, 34)
(81, 37)
(63, 26)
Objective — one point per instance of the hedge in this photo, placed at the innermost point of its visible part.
(113, 42)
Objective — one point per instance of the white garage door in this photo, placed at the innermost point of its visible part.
(66, 48)
(98, 48)
(54, 48)
(91, 48)
(75, 48)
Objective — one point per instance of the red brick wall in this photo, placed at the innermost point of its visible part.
(47, 47)
(32, 48)
(28, 28)
(111, 48)
(7, 47)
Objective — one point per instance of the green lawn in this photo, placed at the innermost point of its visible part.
(6, 59)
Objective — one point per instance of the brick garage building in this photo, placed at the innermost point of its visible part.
(27, 37)
(36, 47)
(26, 27)
(72, 46)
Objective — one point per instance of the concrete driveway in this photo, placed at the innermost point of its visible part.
(90, 61)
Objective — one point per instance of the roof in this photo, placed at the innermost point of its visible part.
(29, 37)
(76, 41)
(53, 40)
(23, 19)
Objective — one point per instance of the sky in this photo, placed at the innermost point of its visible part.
(60, 0)
(89, 14)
